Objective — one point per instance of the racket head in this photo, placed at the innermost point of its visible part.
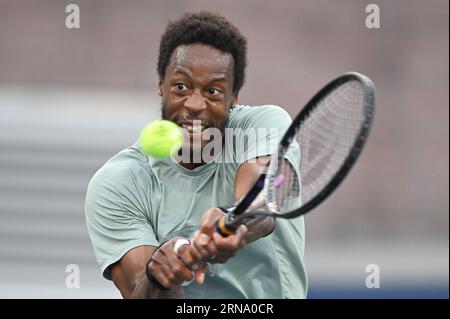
(288, 189)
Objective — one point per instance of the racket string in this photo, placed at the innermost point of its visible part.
(325, 139)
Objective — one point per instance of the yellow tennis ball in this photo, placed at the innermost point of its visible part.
(161, 138)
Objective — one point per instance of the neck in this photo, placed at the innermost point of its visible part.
(191, 158)
(191, 166)
(192, 162)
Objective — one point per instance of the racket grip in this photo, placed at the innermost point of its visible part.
(223, 229)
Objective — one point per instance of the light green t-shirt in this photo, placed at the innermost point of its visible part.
(135, 200)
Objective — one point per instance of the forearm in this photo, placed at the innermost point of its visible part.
(259, 227)
(143, 289)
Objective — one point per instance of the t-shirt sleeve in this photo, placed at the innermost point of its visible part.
(258, 130)
(116, 216)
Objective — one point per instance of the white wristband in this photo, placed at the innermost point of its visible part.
(179, 243)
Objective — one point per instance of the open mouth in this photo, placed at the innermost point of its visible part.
(192, 128)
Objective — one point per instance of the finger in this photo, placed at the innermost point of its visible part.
(206, 252)
(209, 220)
(177, 273)
(199, 252)
(229, 243)
(200, 245)
(198, 257)
(167, 276)
(186, 256)
(159, 274)
(232, 242)
(206, 244)
(199, 274)
(202, 239)
(172, 267)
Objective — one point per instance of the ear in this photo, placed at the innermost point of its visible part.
(160, 88)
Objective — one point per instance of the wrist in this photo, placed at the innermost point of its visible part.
(271, 222)
(259, 228)
(153, 281)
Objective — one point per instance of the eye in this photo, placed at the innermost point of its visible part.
(213, 91)
(180, 87)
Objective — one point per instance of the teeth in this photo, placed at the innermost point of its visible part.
(194, 128)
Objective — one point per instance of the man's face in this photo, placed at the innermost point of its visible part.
(198, 89)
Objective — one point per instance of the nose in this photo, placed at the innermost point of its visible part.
(195, 103)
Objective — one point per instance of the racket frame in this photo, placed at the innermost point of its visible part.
(237, 214)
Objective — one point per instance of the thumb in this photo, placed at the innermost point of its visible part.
(209, 220)
(199, 274)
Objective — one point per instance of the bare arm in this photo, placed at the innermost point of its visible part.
(246, 176)
(129, 276)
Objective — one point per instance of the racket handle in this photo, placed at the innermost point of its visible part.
(223, 228)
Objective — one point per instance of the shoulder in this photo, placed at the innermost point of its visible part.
(244, 115)
(122, 172)
(242, 111)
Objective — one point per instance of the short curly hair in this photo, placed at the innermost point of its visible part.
(206, 28)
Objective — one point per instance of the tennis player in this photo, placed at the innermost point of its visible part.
(151, 221)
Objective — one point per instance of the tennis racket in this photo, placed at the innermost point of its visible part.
(313, 157)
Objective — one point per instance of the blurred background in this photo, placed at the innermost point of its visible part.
(71, 98)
